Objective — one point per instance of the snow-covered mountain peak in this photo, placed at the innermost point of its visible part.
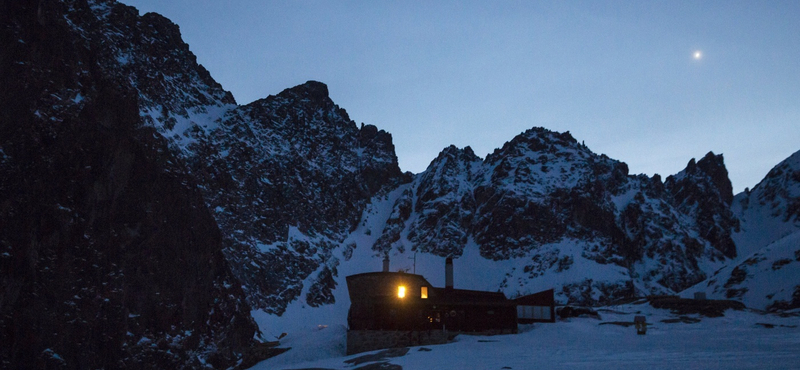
(544, 203)
(451, 163)
(771, 210)
(781, 188)
(709, 170)
(703, 191)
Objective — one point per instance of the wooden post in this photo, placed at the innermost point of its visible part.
(641, 325)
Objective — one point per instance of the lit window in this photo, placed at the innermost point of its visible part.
(401, 292)
(424, 294)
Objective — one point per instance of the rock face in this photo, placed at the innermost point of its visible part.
(142, 209)
(766, 273)
(288, 178)
(109, 256)
(445, 194)
(704, 192)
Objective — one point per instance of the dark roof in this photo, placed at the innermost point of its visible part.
(543, 298)
(472, 297)
(386, 273)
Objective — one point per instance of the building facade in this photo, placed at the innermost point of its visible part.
(392, 309)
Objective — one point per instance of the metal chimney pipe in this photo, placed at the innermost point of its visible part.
(448, 273)
(386, 263)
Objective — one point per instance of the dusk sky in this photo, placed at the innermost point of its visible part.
(649, 83)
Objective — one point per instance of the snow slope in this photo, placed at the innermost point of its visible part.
(771, 210)
(769, 278)
(767, 273)
(304, 324)
(739, 340)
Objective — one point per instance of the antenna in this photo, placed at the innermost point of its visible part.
(415, 261)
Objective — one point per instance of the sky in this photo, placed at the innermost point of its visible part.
(620, 76)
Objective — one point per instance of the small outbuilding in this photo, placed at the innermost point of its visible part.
(537, 307)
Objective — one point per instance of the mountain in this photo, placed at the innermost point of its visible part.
(767, 274)
(553, 206)
(146, 212)
(109, 255)
(287, 178)
(146, 217)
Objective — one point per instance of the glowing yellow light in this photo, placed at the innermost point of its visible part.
(424, 293)
(401, 292)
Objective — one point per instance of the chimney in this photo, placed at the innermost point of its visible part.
(386, 263)
(448, 273)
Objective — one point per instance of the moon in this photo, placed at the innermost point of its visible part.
(697, 55)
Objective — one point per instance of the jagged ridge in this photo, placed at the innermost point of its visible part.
(543, 189)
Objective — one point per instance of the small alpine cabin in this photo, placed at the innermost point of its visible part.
(391, 309)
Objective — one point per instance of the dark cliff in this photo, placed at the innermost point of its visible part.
(109, 257)
(704, 191)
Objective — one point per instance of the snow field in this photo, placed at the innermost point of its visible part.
(739, 340)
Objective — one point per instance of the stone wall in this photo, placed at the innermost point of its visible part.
(369, 340)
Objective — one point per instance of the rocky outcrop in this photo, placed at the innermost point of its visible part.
(109, 257)
(445, 203)
(704, 192)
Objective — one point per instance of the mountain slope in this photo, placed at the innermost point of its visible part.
(109, 257)
(288, 178)
(767, 275)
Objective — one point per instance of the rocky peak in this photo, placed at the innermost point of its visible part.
(311, 90)
(714, 167)
(537, 139)
(311, 95)
(148, 53)
(704, 192)
(370, 135)
(783, 180)
(778, 194)
(709, 170)
(304, 112)
(289, 176)
(452, 157)
(449, 174)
